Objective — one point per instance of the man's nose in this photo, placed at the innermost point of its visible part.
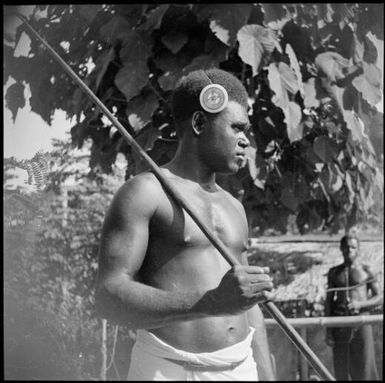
(244, 141)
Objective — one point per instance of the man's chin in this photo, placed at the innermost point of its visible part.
(231, 170)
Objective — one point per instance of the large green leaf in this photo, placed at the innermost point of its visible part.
(295, 67)
(332, 64)
(90, 11)
(336, 179)
(288, 199)
(280, 97)
(14, 98)
(200, 62)
(293, 116)
(331, 178)
(274, 13)
(301, 190)
(374, 127)
(255, 42)
(379, 180)
(325, 148)
(137, 46)
(299, 38)
(369, 84)
(308, 219)
(174, 40)
(349, 183)
(355, 125)
(282, 79)
(155, 17)
(131, 79)
(102, 64)
(256, 166)
(310, 94)
(289, 80)
(225, 20)
(168, 80)
(215, 48)
(324, 11)
(169, 62)
(132, 13)
(148, 136)
(110, 31)
(140, 109)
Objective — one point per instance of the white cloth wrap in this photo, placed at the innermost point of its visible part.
(150, 360)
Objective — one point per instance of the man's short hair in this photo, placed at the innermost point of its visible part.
(185, 98)
(347, 236)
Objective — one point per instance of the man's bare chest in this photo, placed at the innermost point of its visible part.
(174, 226)
(351, 276)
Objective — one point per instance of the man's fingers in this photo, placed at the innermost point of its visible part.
(251, 269)
(256, 278)
(260, 286)
(263, 296)
(257, 270)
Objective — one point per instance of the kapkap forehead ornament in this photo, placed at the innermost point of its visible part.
(213, 98)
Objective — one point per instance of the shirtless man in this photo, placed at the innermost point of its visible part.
(196, 317)
(353, 347)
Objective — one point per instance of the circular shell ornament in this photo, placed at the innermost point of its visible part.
(213, 98)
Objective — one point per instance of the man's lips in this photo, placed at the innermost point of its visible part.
(241, 157)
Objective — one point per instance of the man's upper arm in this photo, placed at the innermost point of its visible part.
(125, 231)
(373, 284)
(329, 294)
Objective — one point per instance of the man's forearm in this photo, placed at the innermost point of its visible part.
(137, 305)
(372, 302)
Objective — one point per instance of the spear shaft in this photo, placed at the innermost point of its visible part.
(179, 198)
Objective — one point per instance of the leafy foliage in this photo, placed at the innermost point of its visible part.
(51, 239)
(310, 71)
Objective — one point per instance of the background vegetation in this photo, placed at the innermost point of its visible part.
(315, 163)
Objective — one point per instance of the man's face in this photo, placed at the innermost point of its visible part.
(350, 250)
(223, 142)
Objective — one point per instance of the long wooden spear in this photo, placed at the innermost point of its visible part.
(178, 197)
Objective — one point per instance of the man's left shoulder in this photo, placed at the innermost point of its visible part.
(237, 203)
(368, 268)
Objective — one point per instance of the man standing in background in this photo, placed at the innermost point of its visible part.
(352, 290)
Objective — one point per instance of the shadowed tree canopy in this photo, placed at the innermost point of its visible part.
(310, 71)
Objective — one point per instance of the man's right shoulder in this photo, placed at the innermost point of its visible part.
(142, 189)
(142, 182)
(335, 269)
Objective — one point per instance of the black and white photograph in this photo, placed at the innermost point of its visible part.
(193, 191)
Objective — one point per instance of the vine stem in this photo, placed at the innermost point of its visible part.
(321, 185)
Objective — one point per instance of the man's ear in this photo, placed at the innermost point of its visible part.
(198, 121)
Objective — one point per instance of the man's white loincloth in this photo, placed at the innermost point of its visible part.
(153, 359)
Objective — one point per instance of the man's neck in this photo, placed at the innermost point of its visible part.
(353, 264)
(186, 164)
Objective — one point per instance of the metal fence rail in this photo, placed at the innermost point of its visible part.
(330, 321)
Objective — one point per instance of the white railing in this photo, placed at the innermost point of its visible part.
(330, 321)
